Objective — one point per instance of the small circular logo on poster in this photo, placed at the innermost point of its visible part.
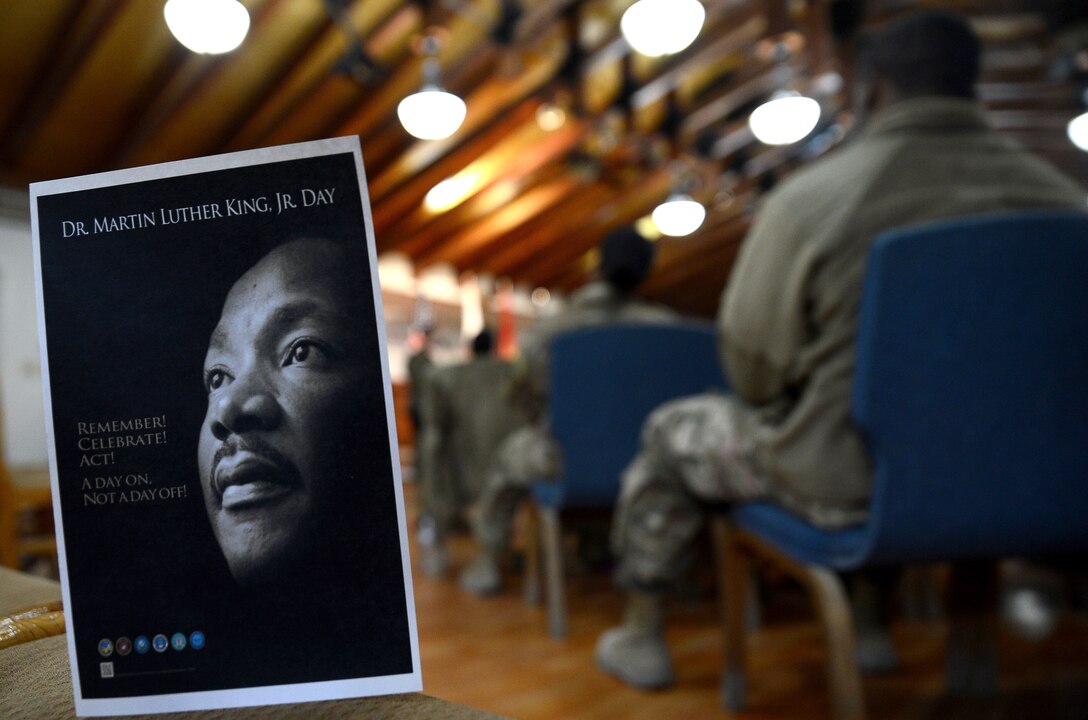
(178, 641)
(196, 640)
(105, 647)
(160, 643)
(124, 646)
(142, 644)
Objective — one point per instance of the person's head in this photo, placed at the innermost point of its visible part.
(626, 258)
(482, 343)
(419, 338)
(926, 53)
(284, 376)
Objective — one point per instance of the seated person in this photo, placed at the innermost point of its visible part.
(788, 320)
(530, 454)
(420, 338)
(465, 416)
(419, 364)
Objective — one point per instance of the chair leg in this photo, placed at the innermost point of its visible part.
(753, 613)
(971, 667)
(844, 676)
(532, 555)
(920, 593)
(733, 589)
(553, 570)
(9, 533)
(833, 609)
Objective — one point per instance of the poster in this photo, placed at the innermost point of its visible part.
(225, 476)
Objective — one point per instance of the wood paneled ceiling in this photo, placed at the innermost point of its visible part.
(101, 84)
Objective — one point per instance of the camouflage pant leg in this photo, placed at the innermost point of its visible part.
(527, 455)
(443, 502)
(436, 494)
(694, 450)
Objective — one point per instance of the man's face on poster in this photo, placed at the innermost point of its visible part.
(283, 375)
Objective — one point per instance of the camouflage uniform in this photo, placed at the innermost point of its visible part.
(787, 326)
(419, 367)
(531, 454)
(697, 441)
(465, 416)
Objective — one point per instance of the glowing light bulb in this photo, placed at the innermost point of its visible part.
(662, 27)
(1078, 131)
(450, 193)
(784, 119)
(432, 113)
(209, 27)
(679, 215)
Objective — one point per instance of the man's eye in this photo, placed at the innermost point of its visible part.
(214, 379)
(301, 351)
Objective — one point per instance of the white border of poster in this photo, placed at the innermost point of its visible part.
(241, 696)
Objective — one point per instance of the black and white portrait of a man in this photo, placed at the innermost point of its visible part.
(284, 378)
(285, 451)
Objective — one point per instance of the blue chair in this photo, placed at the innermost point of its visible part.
(604, 381)
(971, 389)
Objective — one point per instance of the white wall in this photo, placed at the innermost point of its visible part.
(20, 365)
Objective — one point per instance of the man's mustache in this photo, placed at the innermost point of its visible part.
(256, 446)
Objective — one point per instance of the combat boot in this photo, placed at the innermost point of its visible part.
(483, 575)
(635, 652)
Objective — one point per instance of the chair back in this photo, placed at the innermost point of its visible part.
(971, 388)
(604, 381)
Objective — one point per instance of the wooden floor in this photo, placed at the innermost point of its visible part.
(495, 654)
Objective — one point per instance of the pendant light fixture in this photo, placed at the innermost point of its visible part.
(1077, 129)
(662, 27)
(788, 116)
(432, 113)
(208, 27)
(680, 214)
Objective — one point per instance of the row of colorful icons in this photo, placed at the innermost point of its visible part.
(142, 645)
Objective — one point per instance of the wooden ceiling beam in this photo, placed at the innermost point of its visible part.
(1046, 94)
(629, 205)
(684, 263)
(999, 27)
(816, 29)
(752, 83)
(112, 72)
(486, 104)
(1032, 119)
(383, 24)
(767, 160)
(503, 222)
(337, 94)
(539, 14)
(746, 31)
(101, 63)
(511, 164)
(187, 122)
(33, 37)
(567, 218)
(389, 141)
(389, 206)
(176, 86)
(477, 212)
(464, 35)
(745, 35)
(535, 235)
